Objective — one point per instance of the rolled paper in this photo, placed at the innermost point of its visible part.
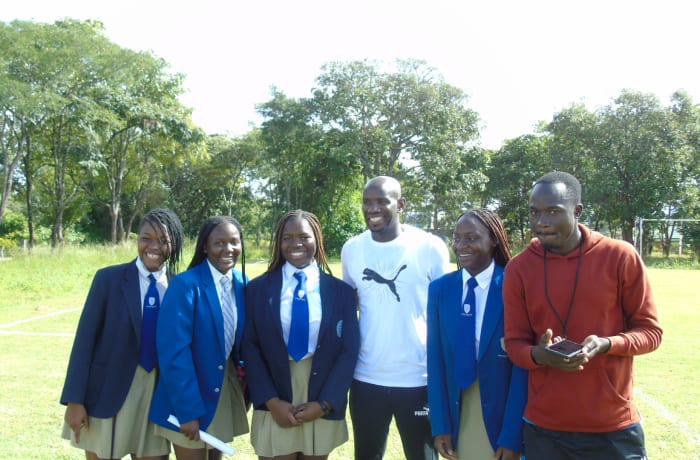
(215, 442)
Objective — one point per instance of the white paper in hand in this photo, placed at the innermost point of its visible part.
(216, 443)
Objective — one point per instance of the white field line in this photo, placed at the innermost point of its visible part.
(4, 327)
(667, 414)
(45, 334)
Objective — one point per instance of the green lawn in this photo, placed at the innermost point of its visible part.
(48, 289)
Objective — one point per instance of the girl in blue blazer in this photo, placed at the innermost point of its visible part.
(299, 381)
(199, 335)
(476, 394)
(111, 373)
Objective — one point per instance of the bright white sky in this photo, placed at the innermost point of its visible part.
(520, 61)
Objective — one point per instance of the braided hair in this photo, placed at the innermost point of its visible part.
(168, 222)
(501, 253)
(276, 258)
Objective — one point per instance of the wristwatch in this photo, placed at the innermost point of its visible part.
(325, 407)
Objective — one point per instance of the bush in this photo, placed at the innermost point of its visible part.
(13, 229)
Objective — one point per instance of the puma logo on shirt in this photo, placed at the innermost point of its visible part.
(371, 275)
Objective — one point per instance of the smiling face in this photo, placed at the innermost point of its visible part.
(381, 206)
(154, 246)
(298, 245)
(553, 217)
(472, 244)
(223, 247)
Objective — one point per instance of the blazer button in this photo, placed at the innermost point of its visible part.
(216, 390)
(221, 368)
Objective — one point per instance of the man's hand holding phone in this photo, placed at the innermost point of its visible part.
(567, 355)
(565, 348)
(571, 361)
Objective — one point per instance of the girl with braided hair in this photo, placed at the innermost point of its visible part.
(112, 370)
(476, 394)
(300, 346)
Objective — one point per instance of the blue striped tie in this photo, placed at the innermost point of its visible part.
(227, 312)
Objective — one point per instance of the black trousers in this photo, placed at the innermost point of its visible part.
(543, 444)
(372, 408)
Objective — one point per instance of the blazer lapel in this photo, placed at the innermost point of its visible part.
(213, 303)
(239, 292)
(131, 290)
(273, 301)
(327, 302)
(453, 306)
(494, 310)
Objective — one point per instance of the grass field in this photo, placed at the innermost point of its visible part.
(41, 296)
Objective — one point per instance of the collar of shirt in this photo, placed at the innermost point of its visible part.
(311, 271)
(144, 282)
(143, 271)
(483, 279)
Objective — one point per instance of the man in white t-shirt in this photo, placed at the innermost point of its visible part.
(390, 266)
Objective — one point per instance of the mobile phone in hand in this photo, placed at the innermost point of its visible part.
(565, 348)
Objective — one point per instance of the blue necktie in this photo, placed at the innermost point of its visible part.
(298, 343)
(147, 356)
(465, 367)
(227, 312)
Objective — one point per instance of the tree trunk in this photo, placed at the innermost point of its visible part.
(628, 231)
(28, 175)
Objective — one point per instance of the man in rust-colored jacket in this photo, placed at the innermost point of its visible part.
(574, 283)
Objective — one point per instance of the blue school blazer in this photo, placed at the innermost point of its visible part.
(106, 346)
(190, 341)
(265, 352)
(503, 385)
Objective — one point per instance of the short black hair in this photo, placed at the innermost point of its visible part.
(573, 186)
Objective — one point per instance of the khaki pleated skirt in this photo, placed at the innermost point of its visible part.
(473, 442)
(229, 420)
(318, 437)
(133, 432)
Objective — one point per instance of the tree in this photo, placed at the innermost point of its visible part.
(214, 181)
(513, 170)
(635, 155)
(304, 167)
(409, 124)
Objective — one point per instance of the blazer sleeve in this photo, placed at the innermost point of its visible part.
(336, 386)
(89, 328)
(173, 339)
(438, 396)
(260, 382)
(511, 435)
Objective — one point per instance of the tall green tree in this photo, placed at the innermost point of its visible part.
(512, 172)
(215, 181)
(408, 123)
(306, 167)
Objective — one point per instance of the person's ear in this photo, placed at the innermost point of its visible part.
(401, 204)
(578, 211)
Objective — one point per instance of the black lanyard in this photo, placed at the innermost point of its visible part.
(573, 294)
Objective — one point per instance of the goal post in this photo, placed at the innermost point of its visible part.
(639, 232)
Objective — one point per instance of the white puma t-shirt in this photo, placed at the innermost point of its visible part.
(392, 280)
